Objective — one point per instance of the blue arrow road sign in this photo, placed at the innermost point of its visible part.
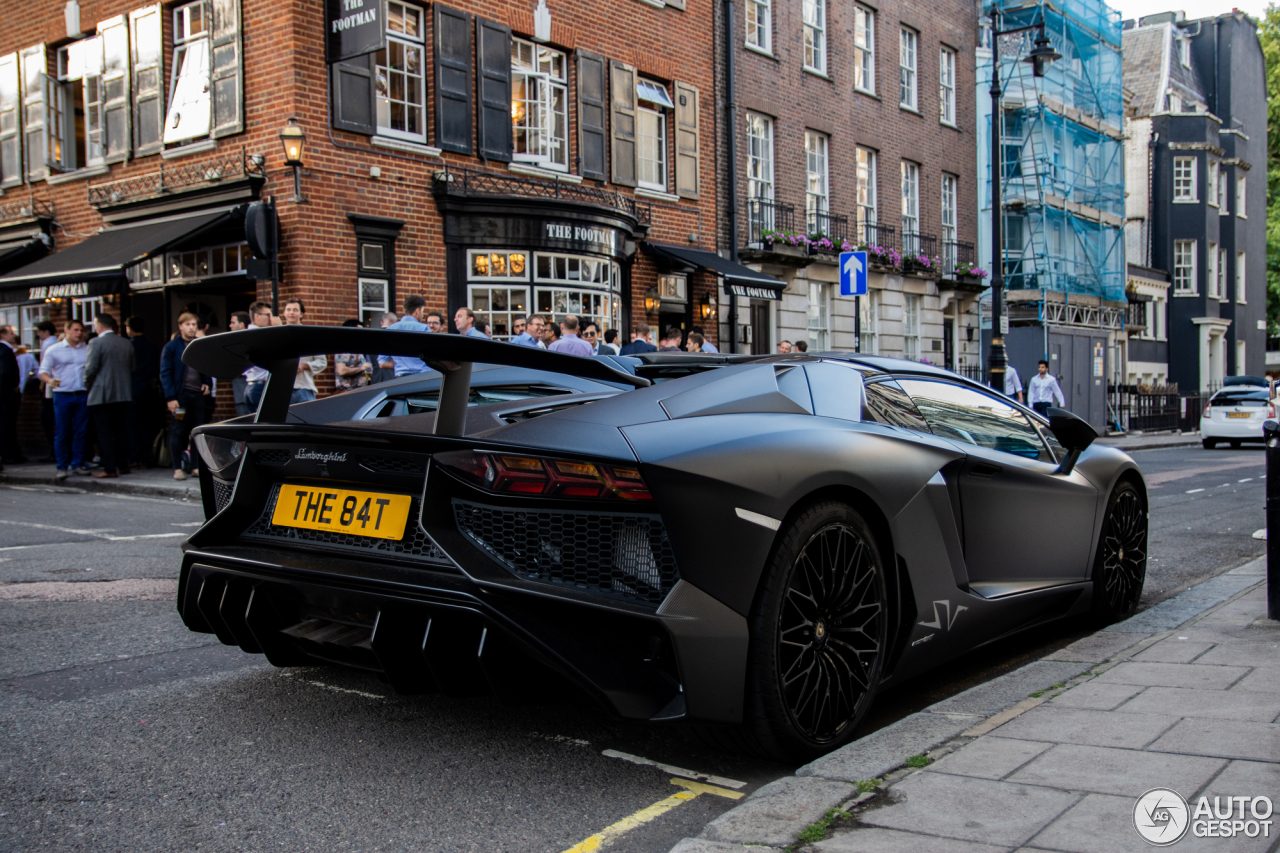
(853, 273)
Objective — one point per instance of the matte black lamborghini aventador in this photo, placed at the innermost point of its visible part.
(755, 544)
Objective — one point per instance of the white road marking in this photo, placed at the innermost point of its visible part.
(1260, 534)
(142, 536)
(1192, 492)
(185, 523)
(336, 689)
(562, 739)
(675, 771)
(1245, 480)
(101, 533)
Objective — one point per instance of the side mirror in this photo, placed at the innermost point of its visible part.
(1074, 433)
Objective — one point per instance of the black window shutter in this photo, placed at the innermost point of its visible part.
(453, 80)
(623, 85)
(592, 107)
(354, 97)
(493, 104)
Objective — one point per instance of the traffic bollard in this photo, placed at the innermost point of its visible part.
(1271, 429)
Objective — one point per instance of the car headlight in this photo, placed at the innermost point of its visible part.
(219, 453)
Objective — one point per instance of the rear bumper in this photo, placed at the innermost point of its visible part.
(1236, 429)
(428, 631)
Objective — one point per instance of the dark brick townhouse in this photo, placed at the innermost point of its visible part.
(854, 122)
(511, 157)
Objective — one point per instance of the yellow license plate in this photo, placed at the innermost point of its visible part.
(1239, 415)
(342, 511)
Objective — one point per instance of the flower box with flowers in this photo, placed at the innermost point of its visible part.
(970, 272)
(788, 243)
(884, 258)
(921, 263)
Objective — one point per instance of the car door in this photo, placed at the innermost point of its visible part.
(1025, 525)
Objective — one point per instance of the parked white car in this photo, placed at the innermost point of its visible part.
(1235, 415)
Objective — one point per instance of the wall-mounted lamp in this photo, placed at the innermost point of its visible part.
(707, 309)
(968, 330)
(293, 139)
(651, 301)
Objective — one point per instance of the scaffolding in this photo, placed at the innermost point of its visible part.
(1061, 148)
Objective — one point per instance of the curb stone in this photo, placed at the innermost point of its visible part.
(760, 821)
(188, 491)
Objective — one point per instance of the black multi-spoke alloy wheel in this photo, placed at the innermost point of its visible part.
(1121, 565)
(818, 635)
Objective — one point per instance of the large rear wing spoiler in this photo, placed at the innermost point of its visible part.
(278, 349)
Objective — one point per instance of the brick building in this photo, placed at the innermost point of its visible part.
(852, 123)
(509, 157)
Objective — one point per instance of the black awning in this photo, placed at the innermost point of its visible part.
(107, 253)
(16, 253)
(736, 276)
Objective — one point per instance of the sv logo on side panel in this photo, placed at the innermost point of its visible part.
(943, 617)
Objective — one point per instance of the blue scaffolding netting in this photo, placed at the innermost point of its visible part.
(1061, 150)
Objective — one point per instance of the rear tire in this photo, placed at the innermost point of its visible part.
(819, 631)
(1235, 445)
(1208, 443)
(1120, 568)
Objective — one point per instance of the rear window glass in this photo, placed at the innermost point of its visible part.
(1240, 398)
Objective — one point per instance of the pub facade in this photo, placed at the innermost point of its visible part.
(527, 157)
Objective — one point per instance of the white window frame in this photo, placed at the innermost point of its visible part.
(1215, 192)
(864, 50)
(817, 191)
(1162, 305)
(947, 86)
(760, 184)
(1241, 296)
(406, 44)
(911, 326)
(1241, 200)
(950, 231)
(819, 326)
(865, 175)
(908, 63)
(522, 308)
(1221, 190)
(85, 309)
(605, 285)
(1184, 51)
(910, 206)
(545, 76)
(814, 23)
(1214, 279)
(869, 320)
(190, 112)
(506, 255)
(32, 315)
(365, 308)
(1184, 268)
(1222, 274)
(759, 22)
(1184, 180)
(651, 148)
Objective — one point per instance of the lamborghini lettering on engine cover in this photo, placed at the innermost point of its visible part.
(342, 510)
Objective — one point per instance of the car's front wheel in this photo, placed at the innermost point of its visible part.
(1120, 568)
(819, 630)
(1208, 443)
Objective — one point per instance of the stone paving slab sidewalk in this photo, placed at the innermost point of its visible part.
(156, 482)
(1053, 756)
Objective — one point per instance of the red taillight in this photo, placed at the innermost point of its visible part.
(1271, 410)
(534, 475)
(1208, 411)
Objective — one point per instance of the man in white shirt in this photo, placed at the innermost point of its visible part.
(255, 378)
(1012, 383)
(62, 369)
(1043, 390)
(304, 384)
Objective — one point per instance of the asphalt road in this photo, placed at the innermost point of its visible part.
(121, 730)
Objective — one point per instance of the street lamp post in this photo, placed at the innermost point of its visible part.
(1040, 57)
(293, 138)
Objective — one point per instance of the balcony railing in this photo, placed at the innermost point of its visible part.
(471, 183)
(875, 234)
(915, 243)
(765, 214)
(25, 208)
(830, 225)
(954, 254)
(178, 177)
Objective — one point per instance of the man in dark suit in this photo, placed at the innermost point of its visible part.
(10, 395)
(108, 376)
(640, 341)
(143, 417)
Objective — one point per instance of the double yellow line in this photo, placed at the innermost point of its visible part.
(692, 791)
